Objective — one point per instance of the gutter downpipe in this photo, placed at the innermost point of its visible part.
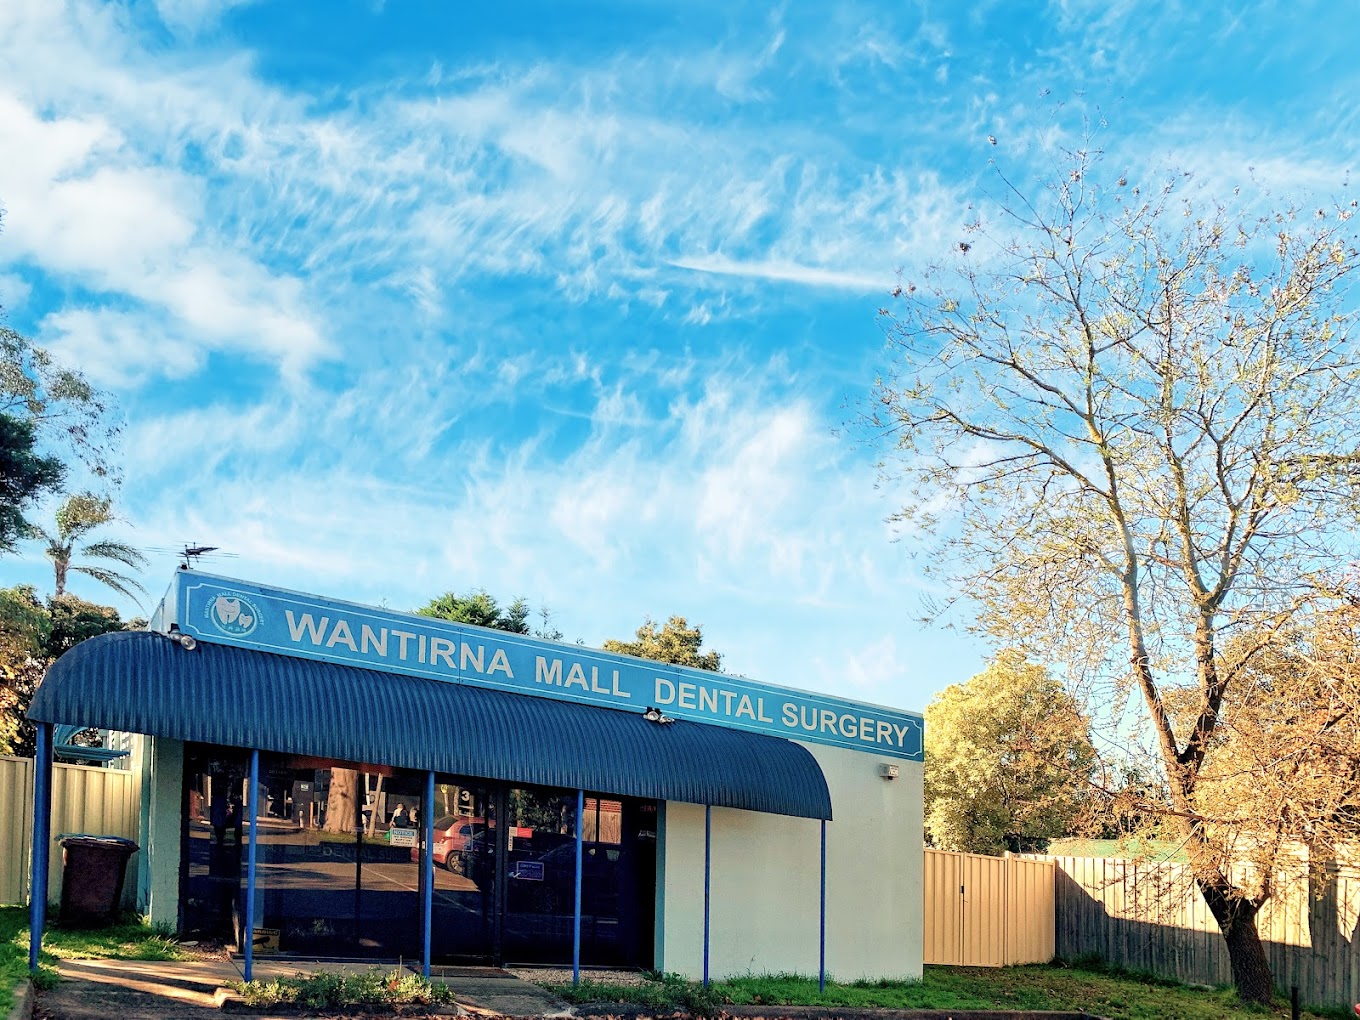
(42, 842)
(251, 856)
(427, 873)
(821, 937)
(708, 872)
(576, 917)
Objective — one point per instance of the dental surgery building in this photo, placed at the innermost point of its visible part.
(327, 779)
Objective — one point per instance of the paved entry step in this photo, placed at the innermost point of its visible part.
(495, 991)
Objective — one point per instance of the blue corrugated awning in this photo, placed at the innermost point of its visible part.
(141, 682)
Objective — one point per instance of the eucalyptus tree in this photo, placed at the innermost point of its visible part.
(1129, 419)
(67, 416)
(50, 419)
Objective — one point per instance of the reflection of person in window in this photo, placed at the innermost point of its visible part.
(398, 819)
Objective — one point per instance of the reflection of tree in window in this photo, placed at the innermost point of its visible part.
(542, 812)
(340, 801)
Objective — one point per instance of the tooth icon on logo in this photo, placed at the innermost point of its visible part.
(232, 614)
(227, 610)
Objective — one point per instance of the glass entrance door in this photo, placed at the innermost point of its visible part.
(464, 915)
(618, 879)
(336, 874)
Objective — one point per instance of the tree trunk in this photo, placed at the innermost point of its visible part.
(1236, 918)
(341, 803)
(59, 569)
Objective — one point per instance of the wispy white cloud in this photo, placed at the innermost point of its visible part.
(14, 290)
(519, 305)
(193, 16)
(557, 169)
(737, 492)
(117, 349)
(785, 272)
(88, 207)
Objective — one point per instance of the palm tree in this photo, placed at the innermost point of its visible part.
(76, 518)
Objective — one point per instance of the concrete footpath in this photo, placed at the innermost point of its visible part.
(139, 990)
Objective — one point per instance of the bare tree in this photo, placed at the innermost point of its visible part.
(1130, 419)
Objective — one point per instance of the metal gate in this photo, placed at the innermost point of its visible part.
(987, 911)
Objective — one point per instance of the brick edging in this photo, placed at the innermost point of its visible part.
(880, 1013)
(631, 1011)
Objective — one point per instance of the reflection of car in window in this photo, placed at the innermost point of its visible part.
(451, 834)
(546, 881)
(477, 859)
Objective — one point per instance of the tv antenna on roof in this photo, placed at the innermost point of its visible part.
(192, 551)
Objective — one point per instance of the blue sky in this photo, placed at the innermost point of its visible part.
(573, 301)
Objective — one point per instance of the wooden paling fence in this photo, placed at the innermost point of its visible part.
(97, 801)
(987, 911)
(1149, 916)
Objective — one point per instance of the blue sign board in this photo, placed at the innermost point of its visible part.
(254, 616)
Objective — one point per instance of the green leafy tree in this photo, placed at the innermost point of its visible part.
(25, 476)
(478, 608)
(33, 633)
(24, 630)
(1008, 761)
(676, 642)
(1129, 416)
(481, 609)
(75, 519)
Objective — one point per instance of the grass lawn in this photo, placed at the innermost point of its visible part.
(132, 941)
(1120, 996)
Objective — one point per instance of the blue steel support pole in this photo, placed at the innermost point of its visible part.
(427, 871)
(254, 816)
(42, 843)
(708, 872)
(821, 936)
(576, 918)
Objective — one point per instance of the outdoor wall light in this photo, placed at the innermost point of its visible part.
(185, 641)
(655, 715)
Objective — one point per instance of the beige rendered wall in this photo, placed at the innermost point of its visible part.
(162, 767)
(766, 874)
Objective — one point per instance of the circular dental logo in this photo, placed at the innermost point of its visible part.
(233, 614)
